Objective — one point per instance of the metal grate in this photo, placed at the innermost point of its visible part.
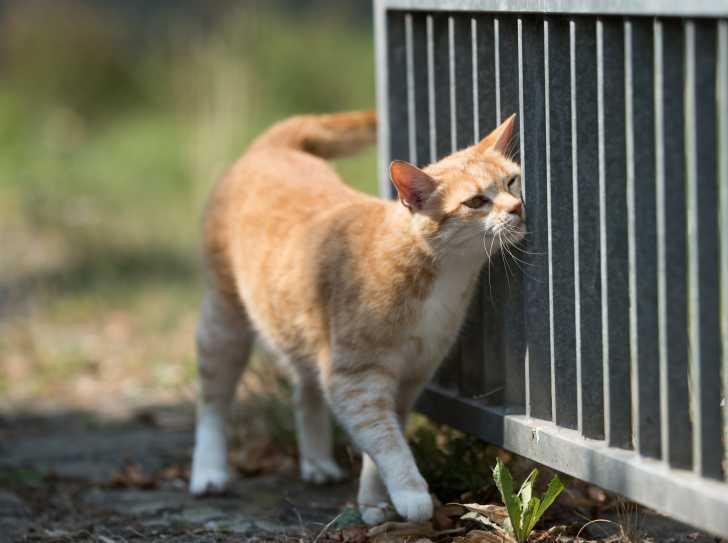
(604, 353)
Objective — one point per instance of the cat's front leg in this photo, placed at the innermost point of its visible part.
(362, 395)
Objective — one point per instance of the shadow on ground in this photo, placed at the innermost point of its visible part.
(72, 476)
(98, 267)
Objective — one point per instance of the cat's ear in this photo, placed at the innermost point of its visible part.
(499, 139)
(413, 185)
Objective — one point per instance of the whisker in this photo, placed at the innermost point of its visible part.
(505, 262)
(490, 286)
(524, 251)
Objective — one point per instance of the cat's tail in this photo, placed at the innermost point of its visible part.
(326, 136)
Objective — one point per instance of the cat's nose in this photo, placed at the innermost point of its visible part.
(515, 207)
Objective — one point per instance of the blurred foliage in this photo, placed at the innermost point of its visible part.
(116, 117)
(455, 465)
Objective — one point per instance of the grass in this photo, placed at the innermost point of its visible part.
(111, 140)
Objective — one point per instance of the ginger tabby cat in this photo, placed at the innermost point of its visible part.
(360, 297)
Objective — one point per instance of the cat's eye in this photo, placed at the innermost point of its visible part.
(476, 201)
(512, 181)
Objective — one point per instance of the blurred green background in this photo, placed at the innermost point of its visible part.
(116, 117)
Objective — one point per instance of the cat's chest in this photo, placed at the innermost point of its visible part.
(441, 313)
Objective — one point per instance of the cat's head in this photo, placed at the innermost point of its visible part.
(468, 201)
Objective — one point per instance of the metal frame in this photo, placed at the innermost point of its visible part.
(620, 462)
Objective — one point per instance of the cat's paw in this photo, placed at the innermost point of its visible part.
(413, 505)
(321, 471)
(209, 481)
(376, 514)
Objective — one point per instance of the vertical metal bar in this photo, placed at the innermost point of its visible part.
(549, 243)
(659, 134)
(534, 180)
(676, 426)
(585, 119)
(642, 230)
(560, 220)
(496, 51)
(722, 98)
(692, 204)
(526, 368)
(453, 94)
(520, 104)
(421, 89)
(442, 90)
(411, 117)
(474, 77)
(703, 246)
(575, 225)
(603, 224)
(431, 86)
(614, 255)
(631, 244)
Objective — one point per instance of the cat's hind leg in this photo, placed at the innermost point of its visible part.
(372, 499)
(224, 341)
(313, 430)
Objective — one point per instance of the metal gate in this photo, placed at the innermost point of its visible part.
(603, 353)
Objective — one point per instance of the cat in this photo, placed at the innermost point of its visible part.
(361, 297)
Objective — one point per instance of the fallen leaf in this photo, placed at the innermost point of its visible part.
(174, 472)
(494, 513)
(354, 534)
(483, 536)
(551, 534)
(446, 516)
(132, 476)
(396, 531)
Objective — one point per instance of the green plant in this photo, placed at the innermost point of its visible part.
(524, 509)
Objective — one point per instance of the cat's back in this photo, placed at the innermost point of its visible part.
(266, 199)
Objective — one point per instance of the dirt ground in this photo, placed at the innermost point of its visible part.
(76, 476)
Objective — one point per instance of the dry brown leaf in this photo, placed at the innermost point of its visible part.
(446, 516)
(354, 534)
(551, 534)
(395, 531)
(494, 513)
(132, 476)
(483, 536)
(174, 472)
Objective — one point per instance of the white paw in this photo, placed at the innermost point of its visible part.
(413, 505)
(208, 481)
(321, 471)
(376, 514)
